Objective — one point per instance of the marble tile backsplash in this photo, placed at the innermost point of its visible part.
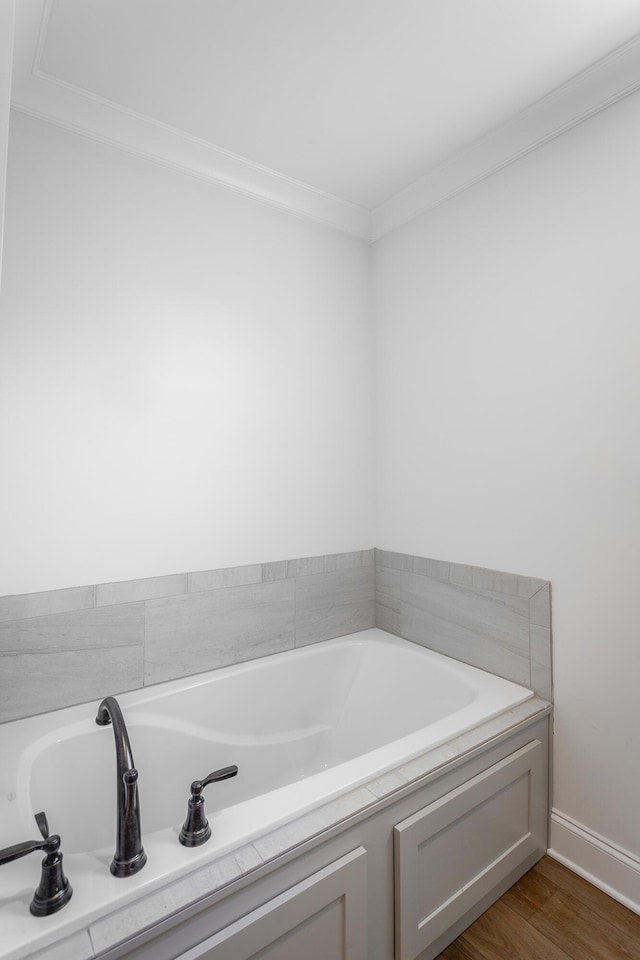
(69, 646)
(497, 621)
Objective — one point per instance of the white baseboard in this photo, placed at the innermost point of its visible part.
(601, 862)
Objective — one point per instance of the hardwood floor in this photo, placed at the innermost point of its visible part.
(551, 914)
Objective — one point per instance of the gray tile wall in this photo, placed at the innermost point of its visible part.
(69, 646)
(497, 621)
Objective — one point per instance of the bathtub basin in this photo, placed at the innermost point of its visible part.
(303, 727)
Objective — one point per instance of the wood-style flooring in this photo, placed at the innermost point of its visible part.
(551, 914)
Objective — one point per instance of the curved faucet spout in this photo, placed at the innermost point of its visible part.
(130, 855)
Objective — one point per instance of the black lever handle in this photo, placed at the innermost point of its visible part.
(48, 844)
(196, 829)
(54, 890)
(222, 774)
(43, 826)
(20, 850)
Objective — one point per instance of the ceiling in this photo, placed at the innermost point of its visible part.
(357, 99)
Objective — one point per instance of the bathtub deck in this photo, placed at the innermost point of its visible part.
(107, 931)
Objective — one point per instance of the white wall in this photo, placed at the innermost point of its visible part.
(508, 341)
(187, 373)
(7, 10)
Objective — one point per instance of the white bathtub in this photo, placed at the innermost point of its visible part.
(303, 727)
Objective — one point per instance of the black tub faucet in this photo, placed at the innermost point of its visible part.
(129, 856)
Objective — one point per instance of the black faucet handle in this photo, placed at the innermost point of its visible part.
(54, 890)
(43, 826)
(50, 844)
(222, 774)
(20, 850)
(195, 829)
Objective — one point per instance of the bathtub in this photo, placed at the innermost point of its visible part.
(303, 727)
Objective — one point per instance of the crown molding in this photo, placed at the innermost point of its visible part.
(46, 98)
(157, 143)
(607, 81)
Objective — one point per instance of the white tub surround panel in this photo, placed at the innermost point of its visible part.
(62, 647)
(500, 622)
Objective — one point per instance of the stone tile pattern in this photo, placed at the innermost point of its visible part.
(70, 646)
(73, 645)
(500, 622)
